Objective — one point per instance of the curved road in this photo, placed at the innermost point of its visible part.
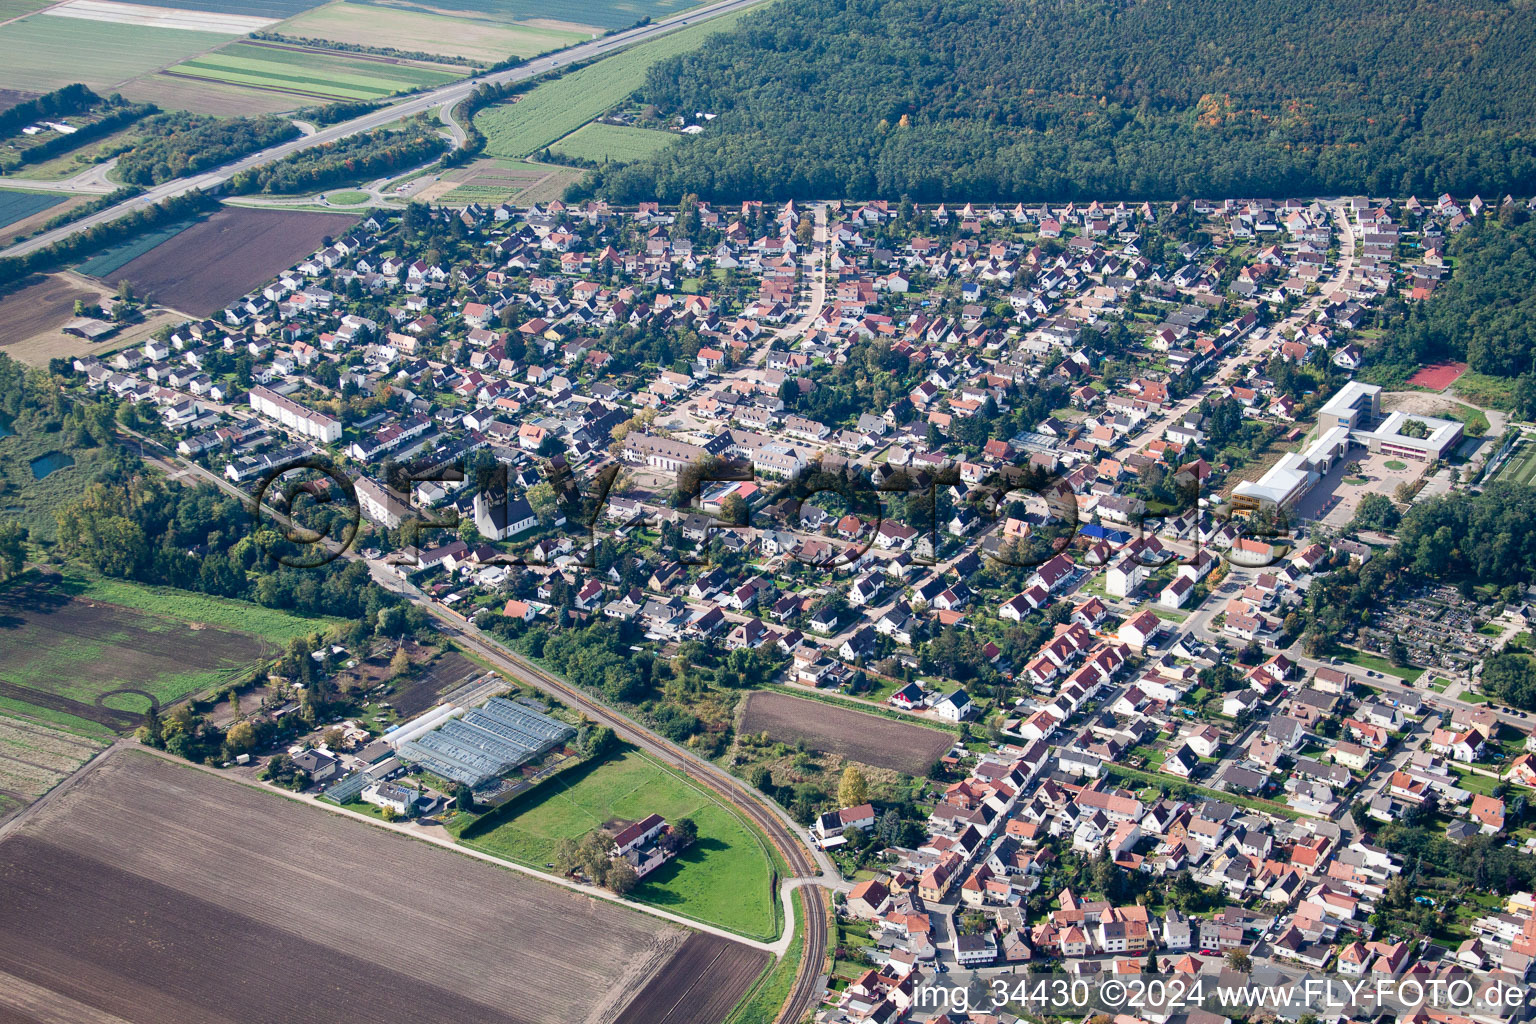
(407, 107)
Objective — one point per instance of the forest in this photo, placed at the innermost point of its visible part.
(180, 143)
(351, 159)
(1100, 98)
(1484, 315)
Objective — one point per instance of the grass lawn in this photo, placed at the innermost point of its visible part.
(1179, 786)
(347, 197)
(1472, 782)
(1396, 464)
(560, 106)
(267, 623)
(1371, 661)
(726, 878)
(72, 643)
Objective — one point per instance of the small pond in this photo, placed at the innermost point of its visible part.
(44, 465)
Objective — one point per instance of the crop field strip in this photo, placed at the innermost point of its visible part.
(612, 142)
(309, 71)
(868, 739)
(108, 260)
(158, 892)
(480, 39)
(557, 108)
(17, 205)
(42, 52)
(602, 14)
(35, 757)
(706, 978)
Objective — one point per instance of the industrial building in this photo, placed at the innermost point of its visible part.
(476, 745)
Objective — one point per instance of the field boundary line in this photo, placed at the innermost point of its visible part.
(443, 842)
(64, 785)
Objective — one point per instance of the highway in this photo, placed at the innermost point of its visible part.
(444, 97)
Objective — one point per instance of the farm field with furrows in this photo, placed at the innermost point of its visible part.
(601, 14)
(218, 259)
(311, 72)
(176, 896)
(479, 39)
(44, 52)
(100, 650)
(618, 143)
(869, 739)
(706, 978)
(724, 879)
(555, 109)
(35, 757)
(252, 8)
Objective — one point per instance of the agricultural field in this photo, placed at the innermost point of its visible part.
(15, 9)
(35, 757)
(27, 225)
(204, 267)
(724, 879)
(108, 260)
(311, 73)
(612, 143)
(576, 14)
(31, 318)
(477, 39)
(105, 650)
(16, 206)
(493, 180)
(176, 896)
(868, 739)
(43, 52)
(557, 108)
(706, 978)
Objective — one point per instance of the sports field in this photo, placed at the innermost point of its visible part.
(311, 72)
(559, 107)
(15, 206)
(479, 39)
(1520, 468)
(615, 143)
(44, 52)
(724, 879)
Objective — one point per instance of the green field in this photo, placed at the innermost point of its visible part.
(45, 52)
(73, 641)
(324, 74)
(16, 8)
(598, 13)
(559, 107)
(724, 879)
(1381, 665)
(347, 197)
(418, 31)
(604, 143)
(112, 259)
(1520, 468)
(15, 206)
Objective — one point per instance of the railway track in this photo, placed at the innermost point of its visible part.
(803, 997)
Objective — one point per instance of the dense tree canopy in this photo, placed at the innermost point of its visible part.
(978, 99)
